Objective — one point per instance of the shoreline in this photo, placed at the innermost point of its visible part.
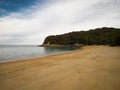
(92, 68)
(40, 56)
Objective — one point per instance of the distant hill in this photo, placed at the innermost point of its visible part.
(98, 36)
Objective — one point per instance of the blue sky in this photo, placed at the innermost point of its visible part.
(24, 22)
(10, 6)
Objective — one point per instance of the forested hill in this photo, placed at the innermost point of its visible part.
(98, 36)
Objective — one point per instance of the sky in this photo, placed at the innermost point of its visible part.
(28, 22)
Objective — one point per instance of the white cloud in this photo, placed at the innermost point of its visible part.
(57, 17)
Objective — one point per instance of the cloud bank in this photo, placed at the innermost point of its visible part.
(32, 25)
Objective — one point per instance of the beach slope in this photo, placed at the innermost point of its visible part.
(92, 68)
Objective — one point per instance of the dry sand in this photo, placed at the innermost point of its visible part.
(92, 68)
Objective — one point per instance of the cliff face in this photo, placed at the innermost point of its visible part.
(99, 36)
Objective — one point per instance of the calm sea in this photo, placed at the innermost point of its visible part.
(17, 52)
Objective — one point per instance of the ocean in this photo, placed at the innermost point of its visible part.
(19, 52)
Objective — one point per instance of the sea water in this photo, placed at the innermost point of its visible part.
(19, 52)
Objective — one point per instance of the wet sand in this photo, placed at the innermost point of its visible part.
(92, 68)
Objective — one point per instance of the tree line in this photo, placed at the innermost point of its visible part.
(98, 36)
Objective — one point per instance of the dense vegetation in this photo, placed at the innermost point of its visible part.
(99, 36)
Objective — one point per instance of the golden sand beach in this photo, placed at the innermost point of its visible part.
(92, 68)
